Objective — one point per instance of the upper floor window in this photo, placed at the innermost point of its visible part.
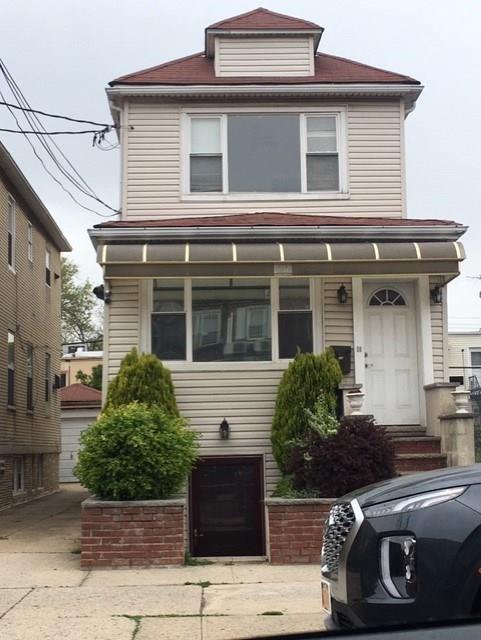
(48, 375)
(30, 241)
(48, 268)
(29, 353)
(11, 369)
(11, 230)
(242, 153)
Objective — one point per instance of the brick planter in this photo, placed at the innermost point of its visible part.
(295, 529)
(132, 534)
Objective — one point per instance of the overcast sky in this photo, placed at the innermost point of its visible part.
(62, 53)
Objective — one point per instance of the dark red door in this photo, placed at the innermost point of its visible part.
(227, 509)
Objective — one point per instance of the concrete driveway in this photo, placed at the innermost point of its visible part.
(44, 594)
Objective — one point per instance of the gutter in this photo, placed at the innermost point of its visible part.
(356, 233)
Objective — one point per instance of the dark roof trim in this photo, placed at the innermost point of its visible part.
(25, 192)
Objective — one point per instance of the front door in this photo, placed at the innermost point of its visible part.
(227, 507)
(392, 386)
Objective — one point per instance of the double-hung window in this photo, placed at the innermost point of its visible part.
(294, 317)
(48, 376)
(29, 350)
(18, 476)
(168, 320)
(48, 267)
(11, 369)
(11, 230)
(264, 153)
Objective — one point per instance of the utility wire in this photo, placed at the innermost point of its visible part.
(54, 115)
(56, 133)
(33, 120)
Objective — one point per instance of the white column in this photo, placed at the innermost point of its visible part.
(358, 330)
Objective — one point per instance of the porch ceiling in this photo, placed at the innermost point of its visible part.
(266, 258)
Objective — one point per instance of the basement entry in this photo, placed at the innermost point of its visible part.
(227, 507)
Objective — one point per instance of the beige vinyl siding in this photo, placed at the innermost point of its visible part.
(245, 397)
(264, 56)
(439, 336)
(124, 323)
(338, 319)
(152, 155)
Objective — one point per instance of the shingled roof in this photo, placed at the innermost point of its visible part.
(80, 396)
(264, 19)
(268, 219)
(199, 68)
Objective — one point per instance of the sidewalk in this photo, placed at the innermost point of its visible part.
(45, 596)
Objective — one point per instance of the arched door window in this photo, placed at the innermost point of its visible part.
(386, 297)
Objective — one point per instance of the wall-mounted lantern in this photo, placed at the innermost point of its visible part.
(342, 294)
(224, 430)
(437, 295)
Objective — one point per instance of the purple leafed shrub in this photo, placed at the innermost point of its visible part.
(359, 454)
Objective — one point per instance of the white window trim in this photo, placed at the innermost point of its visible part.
(49, 254)
(145, 342)
(11, 202)
(339, 112)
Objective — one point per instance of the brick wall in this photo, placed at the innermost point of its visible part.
(132, 534)
(295, 530)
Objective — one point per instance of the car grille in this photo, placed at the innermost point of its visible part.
(337, 527)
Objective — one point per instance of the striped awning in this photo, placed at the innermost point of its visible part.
(304, 257)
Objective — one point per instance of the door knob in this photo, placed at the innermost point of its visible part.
(368, 366)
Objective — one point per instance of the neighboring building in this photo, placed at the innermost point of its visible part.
(264, 210)
(80, 406)
(30, 246)
(465, 358)
(78, 361)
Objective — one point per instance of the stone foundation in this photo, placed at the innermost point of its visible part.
(132, 533)
(295, 529)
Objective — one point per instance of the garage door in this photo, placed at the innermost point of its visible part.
(71, 430)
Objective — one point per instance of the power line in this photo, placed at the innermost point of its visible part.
(33, 120)
(57, 133)
(54, 115)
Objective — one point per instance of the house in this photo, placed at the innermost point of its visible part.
(80, 405)
(78, 361)
(264, 211)
(464, 349)
(30, 246)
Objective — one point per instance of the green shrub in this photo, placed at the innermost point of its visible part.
(306, 377)
(136, 452)
(322, 419)
(359, 454)
(144, 379)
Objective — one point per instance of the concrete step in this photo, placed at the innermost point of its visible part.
(412, 462)
(417, 444)
(405, 430)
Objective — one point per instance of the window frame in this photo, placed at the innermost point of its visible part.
(30, 242)
(339, 112)
(11, 231)
(315, 290)
(16, 490)
(48, 378)
(29, 360)
(11, 365)
(48, 267)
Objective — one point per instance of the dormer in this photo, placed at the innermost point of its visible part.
(262, 43)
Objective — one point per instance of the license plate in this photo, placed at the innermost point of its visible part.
(326, 596)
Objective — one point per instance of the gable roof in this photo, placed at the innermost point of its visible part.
(263, 19)
(198, 69)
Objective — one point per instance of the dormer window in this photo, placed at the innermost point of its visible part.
(235, 154)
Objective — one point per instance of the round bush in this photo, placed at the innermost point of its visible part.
(359, 454)
(136, 452)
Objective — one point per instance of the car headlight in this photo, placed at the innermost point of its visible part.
(412, 503)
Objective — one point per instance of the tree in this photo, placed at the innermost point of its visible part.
(305, 379)
(78, 306)
(142, 378)
(93, 380)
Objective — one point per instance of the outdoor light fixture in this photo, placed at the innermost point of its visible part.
(224, 429)
(342, 294)
(437, 294)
